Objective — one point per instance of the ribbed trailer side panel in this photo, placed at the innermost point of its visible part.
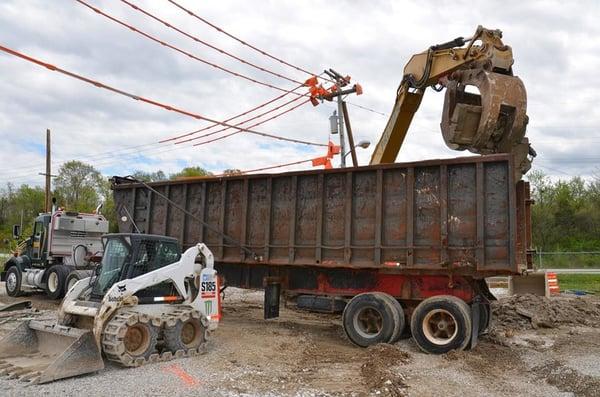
(464, 216)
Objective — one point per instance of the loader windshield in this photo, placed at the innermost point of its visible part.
(116, 253)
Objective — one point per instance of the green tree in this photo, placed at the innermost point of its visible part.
(189, 172)
(232, 171)
(78, 186)
(150, 176)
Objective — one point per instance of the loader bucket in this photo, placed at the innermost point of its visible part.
(41, 352)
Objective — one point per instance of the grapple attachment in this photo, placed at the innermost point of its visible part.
(41, 352)
(493, 121)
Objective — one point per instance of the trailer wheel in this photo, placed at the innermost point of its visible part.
(399, 319)
(368, 319)
(74, 277)
(184, 335)
(56, 281)
(440, 324)
(13, 281)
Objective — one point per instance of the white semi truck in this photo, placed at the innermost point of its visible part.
(63, 248)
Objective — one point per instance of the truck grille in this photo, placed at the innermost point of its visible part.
(78, 234)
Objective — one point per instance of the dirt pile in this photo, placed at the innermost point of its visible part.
(380, 373)
(532, 312)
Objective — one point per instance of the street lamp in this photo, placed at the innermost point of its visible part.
(362, 144)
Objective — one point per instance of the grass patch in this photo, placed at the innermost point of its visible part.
(581, 282)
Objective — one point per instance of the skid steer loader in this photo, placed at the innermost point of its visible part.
(146, 302)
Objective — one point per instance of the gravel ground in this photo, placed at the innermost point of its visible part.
(306, 354)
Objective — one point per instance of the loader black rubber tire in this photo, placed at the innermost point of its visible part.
(399, 317)
(56, 281)
(13, 288)
(369, 319)
(434, 319)
(75, 276)
(129, 339)
(184, 335)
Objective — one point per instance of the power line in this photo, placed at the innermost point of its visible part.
(240, 40)
(149, 101)
(250, 119)
(232, 118)
(254, 125)
(200, 41)
(188, 54)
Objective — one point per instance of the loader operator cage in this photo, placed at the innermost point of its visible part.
(128, 256)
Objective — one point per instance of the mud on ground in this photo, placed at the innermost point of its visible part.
(537, 347)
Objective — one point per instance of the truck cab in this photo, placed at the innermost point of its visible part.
(64, 247)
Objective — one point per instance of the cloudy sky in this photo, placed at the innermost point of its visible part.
(556, 50)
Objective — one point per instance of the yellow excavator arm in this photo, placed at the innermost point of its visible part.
(493, 121)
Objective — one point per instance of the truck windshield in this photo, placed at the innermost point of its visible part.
(116, 253)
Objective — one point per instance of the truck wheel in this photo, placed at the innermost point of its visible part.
(440, 324)
(75, 276)
(399, 318)
(184, 335)
(369, 319)
(13, 281)
(56, 281)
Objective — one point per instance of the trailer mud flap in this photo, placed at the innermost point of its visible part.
(272, 294)
(41, 352)
(477, 306)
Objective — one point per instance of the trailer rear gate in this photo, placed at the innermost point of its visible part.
(464, 216)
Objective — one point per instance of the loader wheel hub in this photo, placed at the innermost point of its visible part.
(136, 339)
(188, 333)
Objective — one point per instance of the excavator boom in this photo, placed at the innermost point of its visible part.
(491, 121)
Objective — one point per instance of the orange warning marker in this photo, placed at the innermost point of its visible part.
(552, 287)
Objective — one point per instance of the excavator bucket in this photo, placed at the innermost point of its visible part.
(40, 352)
(491, 121)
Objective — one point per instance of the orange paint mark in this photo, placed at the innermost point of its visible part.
(185, 377)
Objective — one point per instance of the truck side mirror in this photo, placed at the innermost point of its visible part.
(16, 231)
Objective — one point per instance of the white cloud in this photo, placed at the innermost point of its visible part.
(554, 47)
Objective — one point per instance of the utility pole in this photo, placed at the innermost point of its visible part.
(340, 112)
(48, 173)
(48, 166)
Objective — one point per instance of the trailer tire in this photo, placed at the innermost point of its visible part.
(369, 319)
(56, 281)
(440, 324)
(399, 319)
(13, 281)
(74, 277)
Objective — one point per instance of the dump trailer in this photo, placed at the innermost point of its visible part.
(393, 246)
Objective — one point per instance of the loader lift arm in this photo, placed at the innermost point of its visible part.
(492, 122)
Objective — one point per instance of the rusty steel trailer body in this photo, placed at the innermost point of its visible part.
(410, 230)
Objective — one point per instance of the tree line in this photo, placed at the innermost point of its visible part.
(78, 187)
(565, 216)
